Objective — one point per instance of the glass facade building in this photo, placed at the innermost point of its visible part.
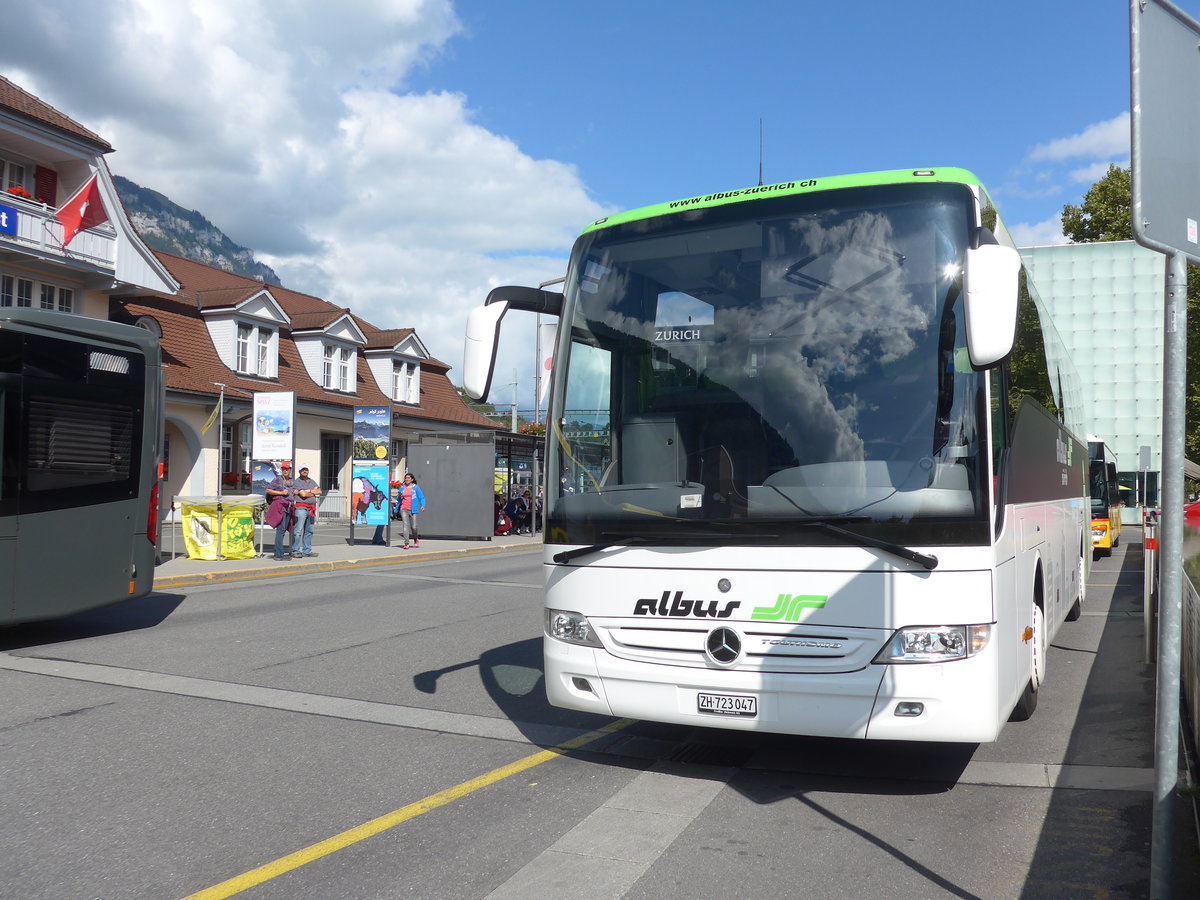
(1106, 301)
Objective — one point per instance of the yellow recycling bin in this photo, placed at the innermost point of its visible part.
(229, 521)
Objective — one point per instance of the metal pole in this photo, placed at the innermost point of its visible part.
(537, 368)
(1149, 570)
(220, 443)
(1170, 588)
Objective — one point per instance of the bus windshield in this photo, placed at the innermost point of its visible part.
(765, 365)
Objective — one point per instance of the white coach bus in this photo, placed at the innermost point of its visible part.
(814, 464)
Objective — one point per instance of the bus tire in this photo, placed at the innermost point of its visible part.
(1039, 647)
(1026, 705)
(1029, 697)
(1076, 609)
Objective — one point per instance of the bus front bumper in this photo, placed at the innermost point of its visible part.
(955, 701)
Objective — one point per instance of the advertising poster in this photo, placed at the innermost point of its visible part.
(274, 424)
(262, 473)
(372, 433)
(369, 494)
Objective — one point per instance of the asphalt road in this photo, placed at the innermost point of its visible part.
(383, 733)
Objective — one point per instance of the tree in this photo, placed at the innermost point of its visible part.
(484, 409)
(1106, 215)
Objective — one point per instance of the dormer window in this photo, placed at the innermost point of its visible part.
(338, 368)
(394, 359)
(255, 350)
(406, 382)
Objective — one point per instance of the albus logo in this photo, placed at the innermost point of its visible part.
(677, 606)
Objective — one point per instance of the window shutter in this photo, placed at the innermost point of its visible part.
(45, 185)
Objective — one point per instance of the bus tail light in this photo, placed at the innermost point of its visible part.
(152, 515)
(938, 643)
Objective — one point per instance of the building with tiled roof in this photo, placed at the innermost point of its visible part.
(224, 337)
(45, 159)
(222, 329)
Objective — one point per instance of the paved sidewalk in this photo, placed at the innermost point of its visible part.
(333, 548)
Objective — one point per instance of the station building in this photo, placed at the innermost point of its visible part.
(224, 337)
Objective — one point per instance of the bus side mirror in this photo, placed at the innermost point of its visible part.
(483, 331)
(479, 349)
(991, 280)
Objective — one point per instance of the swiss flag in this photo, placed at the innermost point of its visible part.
(83, 211)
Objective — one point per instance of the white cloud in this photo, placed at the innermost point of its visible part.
(1105, 140)
(1089, 175)
(1041, 234)
(288, 125)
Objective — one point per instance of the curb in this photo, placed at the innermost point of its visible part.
(332, 565)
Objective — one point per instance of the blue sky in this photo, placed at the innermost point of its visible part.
(402, 157)
(656, 101)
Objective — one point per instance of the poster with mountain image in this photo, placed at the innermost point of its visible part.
(372, 433)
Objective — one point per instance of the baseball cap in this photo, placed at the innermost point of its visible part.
(286, 465)
(304, 468)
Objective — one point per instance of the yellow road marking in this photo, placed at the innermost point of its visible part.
(369, 829)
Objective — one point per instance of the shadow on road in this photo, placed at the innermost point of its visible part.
(130, 615)
(513, 677)
(1097, 842)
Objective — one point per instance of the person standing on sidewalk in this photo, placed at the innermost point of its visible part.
(308, 492)
(281, 494)
(412, 501)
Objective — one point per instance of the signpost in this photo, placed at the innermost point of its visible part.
(1164, 71)
(371, 494)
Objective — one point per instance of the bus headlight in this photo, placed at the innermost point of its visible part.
(572, 627)
(939, 643)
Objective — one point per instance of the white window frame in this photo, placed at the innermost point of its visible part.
(14, 174)
(337, 373)
(346, 356)
(264, 351)
(226, 448)
(244, 448)
(327, 371)
(242, 353)
(406, 381)
(16, 291)
(255, 350)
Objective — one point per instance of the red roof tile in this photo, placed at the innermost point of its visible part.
(24, 103)
(193, 365)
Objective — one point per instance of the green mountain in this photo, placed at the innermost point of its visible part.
(167, 226)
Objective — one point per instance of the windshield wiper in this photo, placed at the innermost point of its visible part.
(567, 555)
(921, 559)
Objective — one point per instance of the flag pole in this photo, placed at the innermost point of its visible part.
(220, 434)
(220, 485)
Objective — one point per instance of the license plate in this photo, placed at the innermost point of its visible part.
(727, 704)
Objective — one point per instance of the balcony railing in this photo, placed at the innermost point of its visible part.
(38, 232)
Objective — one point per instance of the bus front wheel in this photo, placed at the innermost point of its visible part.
(1029, 697)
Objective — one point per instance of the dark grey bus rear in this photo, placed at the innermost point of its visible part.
(81, 405)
